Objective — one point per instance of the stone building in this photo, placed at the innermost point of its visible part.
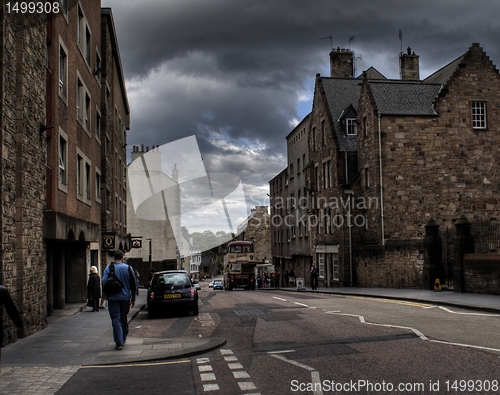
(22, 167)
(256, 228)
(386, 156)
(438, 159)
(88, 112)
(290, 244)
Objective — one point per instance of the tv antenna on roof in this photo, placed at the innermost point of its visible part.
(351, 38)
(331, 40)
(355, 58)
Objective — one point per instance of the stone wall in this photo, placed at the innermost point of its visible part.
(22, 168)
(396, 265)
(258, 230)
(482, 273)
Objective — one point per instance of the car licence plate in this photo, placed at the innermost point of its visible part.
(171, 296)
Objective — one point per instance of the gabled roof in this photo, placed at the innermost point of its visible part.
(443, 75)
(404, 98)
(372, 74)
(340, 94)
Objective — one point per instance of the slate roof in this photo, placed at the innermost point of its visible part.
(340, 94)
(443, 75)
(404, 98)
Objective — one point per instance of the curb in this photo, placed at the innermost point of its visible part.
(412, 299)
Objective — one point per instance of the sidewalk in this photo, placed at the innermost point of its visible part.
(482, 302)
(80, 338)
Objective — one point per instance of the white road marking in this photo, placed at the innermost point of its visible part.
(280, 352)
(241, 375)
(292, 362)
(202, 360)
(284, 300)
(301, 304)
(464, 313)
(247, 385)
(210, 387)
(234, 366)
(466, 345)
(230, 358)
(314, 373)
(205, 368)
(225, 351)
(207, 377)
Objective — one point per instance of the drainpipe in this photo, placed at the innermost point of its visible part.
(349, 193)
(346, 171)
(381, 183)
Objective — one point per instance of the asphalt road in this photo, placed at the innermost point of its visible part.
(300, 343)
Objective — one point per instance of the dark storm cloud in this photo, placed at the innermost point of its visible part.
(233, 72)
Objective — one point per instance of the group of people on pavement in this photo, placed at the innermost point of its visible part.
(290, 276)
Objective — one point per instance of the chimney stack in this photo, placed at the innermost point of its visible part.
(408, 66)
(341, 63)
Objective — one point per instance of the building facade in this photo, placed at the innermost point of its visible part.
(22, 168)
(290, 245)
(88, 113)
(402, 153)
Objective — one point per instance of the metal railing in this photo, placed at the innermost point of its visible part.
(486, 236)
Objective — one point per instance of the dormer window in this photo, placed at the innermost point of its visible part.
(350, 126)
(348, 121)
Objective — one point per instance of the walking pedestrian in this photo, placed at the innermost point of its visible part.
(119, 303)
(287, 278)
(94, 289)
(6, 300)
(277, 279)
(314, 277)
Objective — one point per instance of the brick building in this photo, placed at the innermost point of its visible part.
(386, 157)
(63, 120)
(114, 123)
(22, 167)
(88, 111)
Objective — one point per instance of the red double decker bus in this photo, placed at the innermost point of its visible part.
(239, 266)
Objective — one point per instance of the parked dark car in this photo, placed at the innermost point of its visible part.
(171, 290)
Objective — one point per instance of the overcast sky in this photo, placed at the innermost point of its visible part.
(239, 74)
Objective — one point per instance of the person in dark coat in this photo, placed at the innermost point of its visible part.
(287, 278)
(94, 288)
(6, 300)
(314, 277)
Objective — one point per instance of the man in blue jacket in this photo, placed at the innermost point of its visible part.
(119, 304)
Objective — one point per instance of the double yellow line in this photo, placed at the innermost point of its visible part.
(402, 302)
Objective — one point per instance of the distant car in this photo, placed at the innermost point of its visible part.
(218, 284)
(171, 290)
(210, 284)
(197, 285)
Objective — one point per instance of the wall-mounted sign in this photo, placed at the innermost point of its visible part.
(108, 241)
(136, 242)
